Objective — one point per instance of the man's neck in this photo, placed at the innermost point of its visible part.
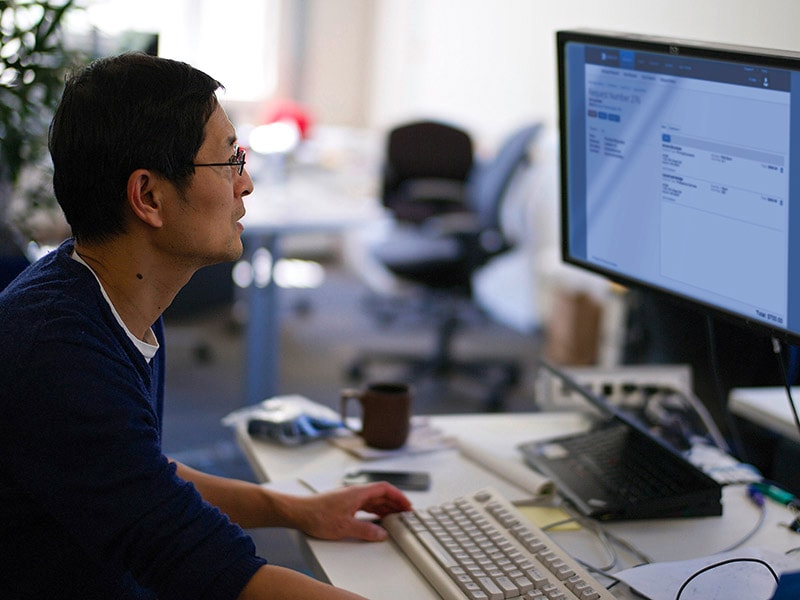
(138, 285)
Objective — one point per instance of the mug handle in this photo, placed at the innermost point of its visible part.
(346, 395)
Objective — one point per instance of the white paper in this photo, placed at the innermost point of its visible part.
(661, 581)
(421, 439)
(513, 471)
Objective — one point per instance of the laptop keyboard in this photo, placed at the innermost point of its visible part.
(611, 456)
(479, 547)
(618, 472)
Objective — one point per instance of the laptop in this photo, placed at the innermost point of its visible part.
(618, 470)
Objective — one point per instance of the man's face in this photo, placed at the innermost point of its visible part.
(204, 223)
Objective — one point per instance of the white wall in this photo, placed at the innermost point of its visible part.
(338, 59)
(490, 64)
(487, 64)
(235, 44)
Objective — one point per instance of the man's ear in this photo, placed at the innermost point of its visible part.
(145, 197)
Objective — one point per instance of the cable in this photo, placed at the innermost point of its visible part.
(758, 499)
(723, 563)
(693, 404)
(792, 362)
(644, 558)
(777, 348)
(612, 554)
(607, 539)
(705, 417)
(738, 446)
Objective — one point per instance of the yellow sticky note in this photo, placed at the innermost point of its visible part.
(542, 516)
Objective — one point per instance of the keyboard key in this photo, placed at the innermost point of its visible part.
(439, 553)
(482, 544)
(508, 586)
(491, 588)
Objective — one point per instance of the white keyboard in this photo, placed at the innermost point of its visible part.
(479, 547)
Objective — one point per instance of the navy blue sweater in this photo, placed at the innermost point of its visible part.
(89, 505)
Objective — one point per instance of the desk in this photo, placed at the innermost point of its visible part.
(766, 406)
(273, 211)
(320, 465)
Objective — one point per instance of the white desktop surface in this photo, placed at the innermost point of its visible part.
(272, 462)
(766, 406)
(380, 571)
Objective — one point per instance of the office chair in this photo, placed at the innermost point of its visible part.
(441, 254)
(425, 170)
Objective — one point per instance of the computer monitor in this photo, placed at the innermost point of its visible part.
(680, 165)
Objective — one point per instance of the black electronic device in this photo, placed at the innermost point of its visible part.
(404, 480)
(680, 161)
(619, 470)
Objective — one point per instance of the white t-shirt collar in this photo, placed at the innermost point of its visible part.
(148, 349)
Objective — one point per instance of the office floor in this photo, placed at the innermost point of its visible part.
(323, 329)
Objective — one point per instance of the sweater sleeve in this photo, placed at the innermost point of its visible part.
(81, 437)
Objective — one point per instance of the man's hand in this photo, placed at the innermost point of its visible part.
(332, 515)
(328, 516)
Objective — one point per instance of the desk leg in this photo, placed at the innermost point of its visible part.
(262, 359)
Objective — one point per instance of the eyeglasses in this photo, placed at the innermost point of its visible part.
(237, 160)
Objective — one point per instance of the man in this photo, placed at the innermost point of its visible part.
(152, 181)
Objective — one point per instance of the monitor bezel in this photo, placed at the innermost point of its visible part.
(775, 58)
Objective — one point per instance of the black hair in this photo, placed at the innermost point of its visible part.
(119, 114)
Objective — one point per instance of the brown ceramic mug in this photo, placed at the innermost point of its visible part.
(385, 413)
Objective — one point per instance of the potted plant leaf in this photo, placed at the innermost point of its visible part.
(33, 62)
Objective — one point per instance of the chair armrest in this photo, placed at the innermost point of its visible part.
(450, 224)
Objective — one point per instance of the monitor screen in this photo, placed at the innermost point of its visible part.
(680, 162)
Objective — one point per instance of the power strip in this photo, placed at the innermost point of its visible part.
(620, 385)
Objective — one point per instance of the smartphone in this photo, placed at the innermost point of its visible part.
(418, 481)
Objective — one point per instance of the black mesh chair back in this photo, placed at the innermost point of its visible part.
(426, 167)
(441, 256)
